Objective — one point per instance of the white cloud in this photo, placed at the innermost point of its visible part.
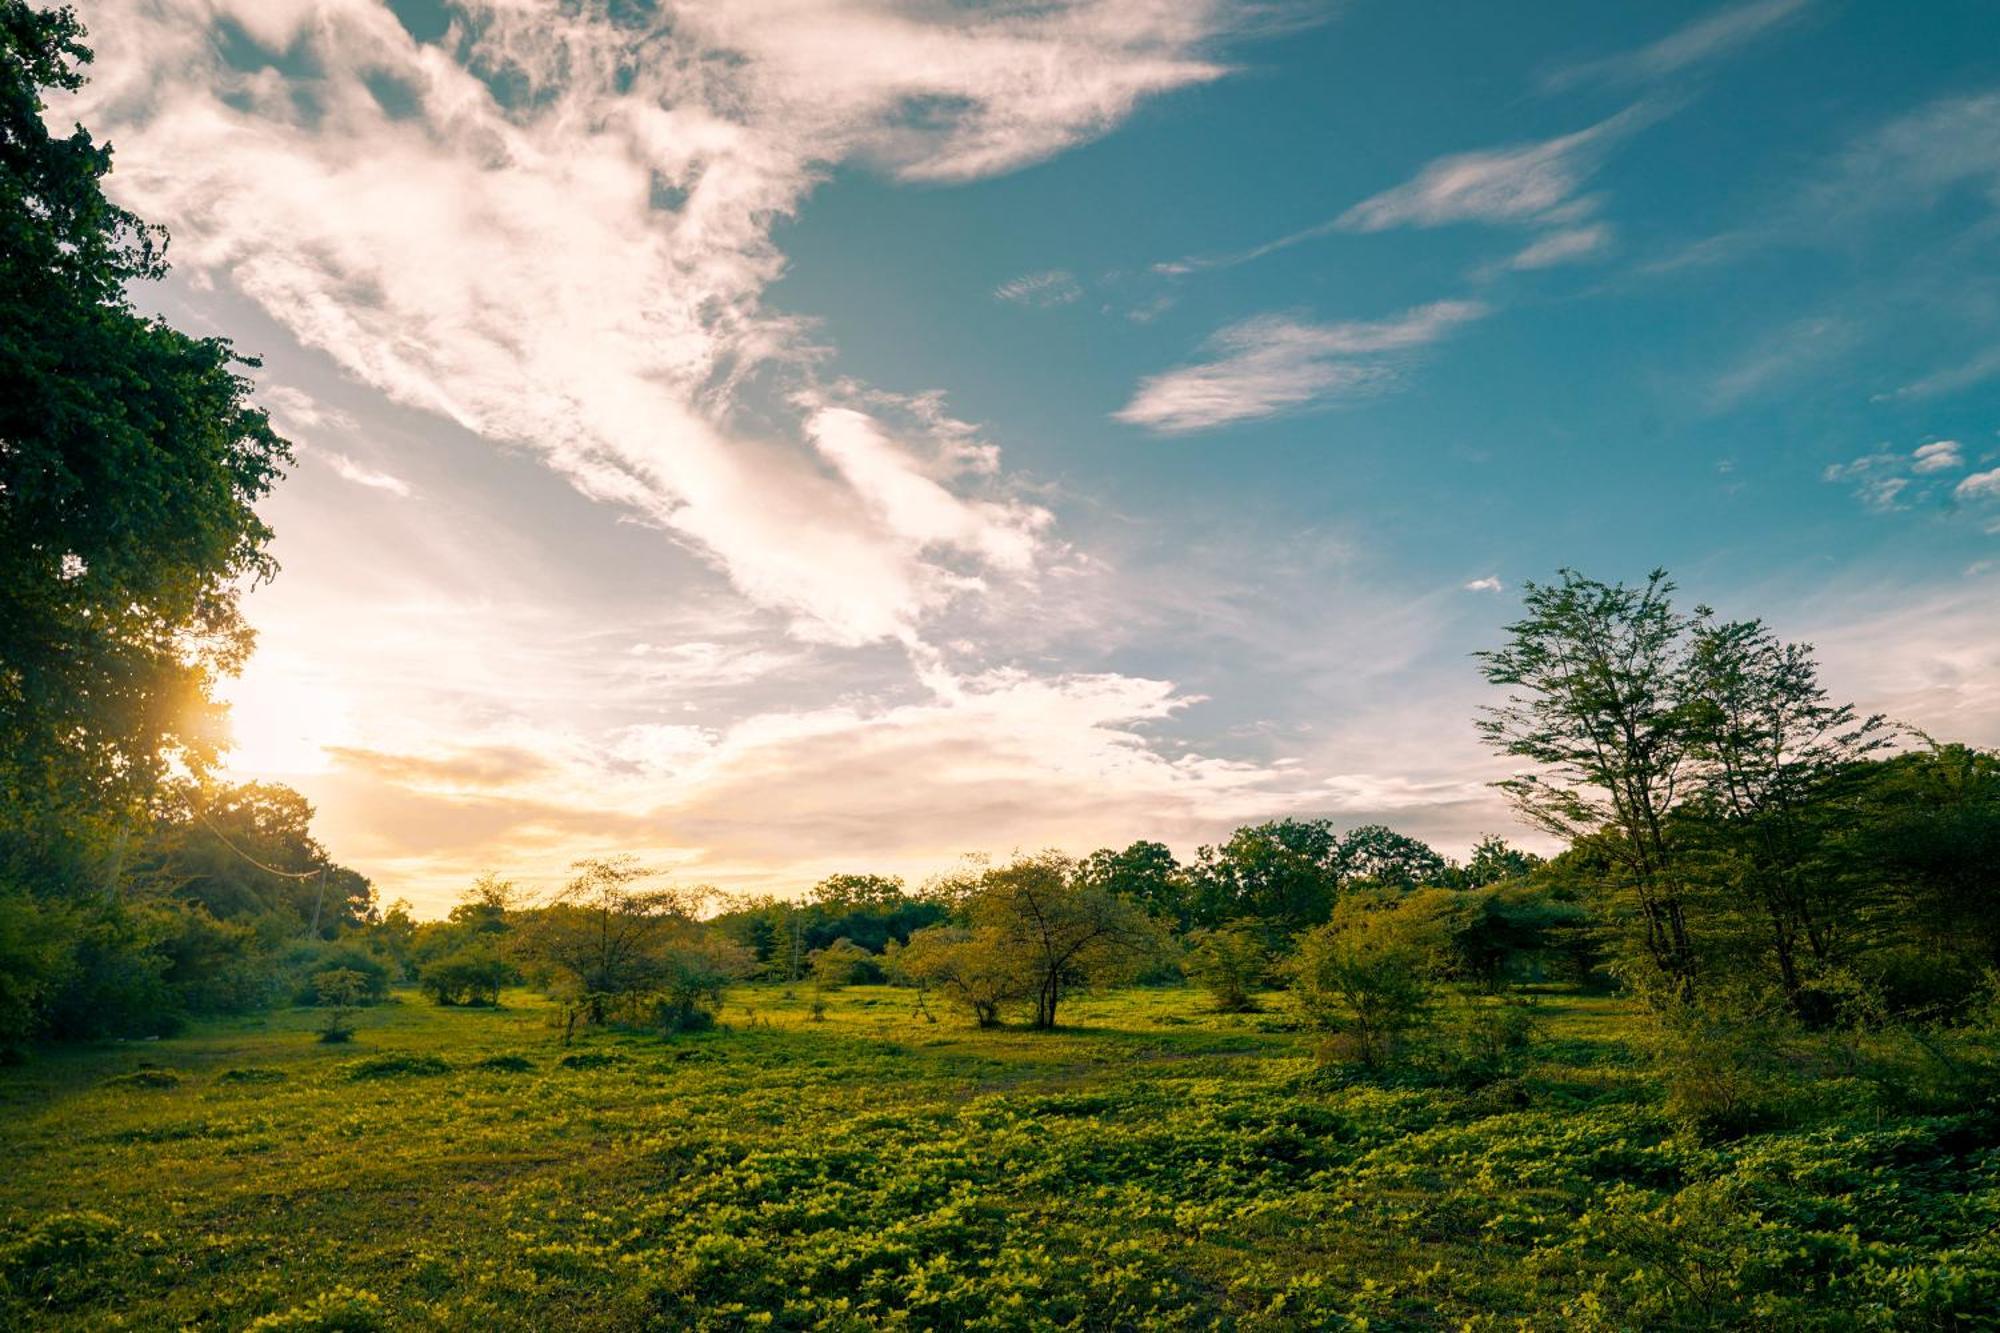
(1719, 34)
(1980, 368)
(1054, 287)
(1979, 486)
(1938, 456)
(349, 470)
(1007, 760)
(1568, 246)
(1275, 363)
(1491, 583)
(1535, 183)
(579, 271)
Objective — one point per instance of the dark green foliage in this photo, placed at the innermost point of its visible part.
(145, 1078)
(506, 1064)
(132, 460)
(306, 962)
(590, 1059)
(398, 1066)
(1286, 873)
(1231, 963)
(472, 976)
(1147, 875)
(251, 1074)
(62, 1261)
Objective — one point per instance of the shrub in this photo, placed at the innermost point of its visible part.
(145, 1078)
(250, 1074)
(970, 966)
(1366, 977)
(340, 990)
(60, 1261)
(844, 963)
(472, 976)
(398, 1066)
(306, 961)
(1487, 1040)
(342, 1310)
(506, 1064)
(1229, 962)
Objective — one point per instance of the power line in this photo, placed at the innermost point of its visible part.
(269, 870)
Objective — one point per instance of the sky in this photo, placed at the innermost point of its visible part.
(779, 437)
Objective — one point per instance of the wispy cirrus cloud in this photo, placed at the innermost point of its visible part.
(1532, 184)
(1272, 364)
(1981, 367)
(1712, 37)
(1569, 246)
(361, 475)
(1053, 287)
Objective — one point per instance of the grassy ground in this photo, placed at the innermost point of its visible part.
(1153, 1165)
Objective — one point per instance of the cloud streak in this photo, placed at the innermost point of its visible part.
(1273, 364)
(1714, 37)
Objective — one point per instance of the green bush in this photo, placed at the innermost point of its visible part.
(472, 976)
(306, 961)
(342, 1310)
(1366, 977)
(1229, 962)
(398, 1066)
(62, 1259)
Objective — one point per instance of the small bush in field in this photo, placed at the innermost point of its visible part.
(471, 977)
(251, 1074)
(59, 1262)
(342, 1310)
(398, 1066)
(1366, 977)
(506, 1064)
(1229, 962)
(339, 990)
(145, 1078)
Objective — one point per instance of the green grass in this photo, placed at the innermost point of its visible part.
(1152, 1165)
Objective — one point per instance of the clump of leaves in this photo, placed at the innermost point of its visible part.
(59, 1262)
(341, 989)
(145, 1078)
(251, 1074)
(1230, 963)
(398, 1066)
(590, 1059)
(342, 1310)
(506, 1064)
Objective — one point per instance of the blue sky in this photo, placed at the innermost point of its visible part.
(794, 435)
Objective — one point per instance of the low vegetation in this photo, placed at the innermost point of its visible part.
(1153, 1163)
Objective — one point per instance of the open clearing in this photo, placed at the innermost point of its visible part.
(1152, 1165)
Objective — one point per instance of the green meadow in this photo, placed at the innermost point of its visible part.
(1150, 1165)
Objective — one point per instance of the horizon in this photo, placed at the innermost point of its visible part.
(1049, 427)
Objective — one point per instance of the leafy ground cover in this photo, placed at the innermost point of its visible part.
(1151, 1165)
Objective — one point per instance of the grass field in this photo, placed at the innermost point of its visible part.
(1152, 1165)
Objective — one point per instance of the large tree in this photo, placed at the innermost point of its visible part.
(1057, 930)
(1284, 873)
(1772, 751)
(1598, 703)
(131, 458)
